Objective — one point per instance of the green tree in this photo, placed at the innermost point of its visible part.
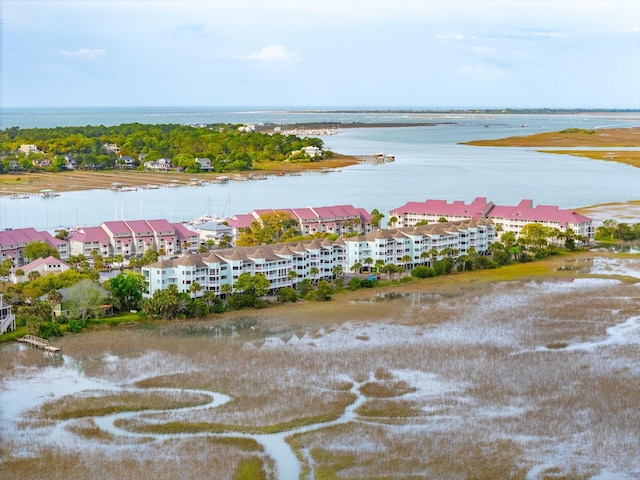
(322, 292)
(355, 268)
(126, 290)
(257, 284)
(194, 288)
(5, 267)
(40, 249)
(85, 296)
(54, 298)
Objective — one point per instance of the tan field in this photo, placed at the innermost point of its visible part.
(90, 180)
(614, 137)
(529, 371)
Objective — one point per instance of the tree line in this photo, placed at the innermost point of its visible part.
(228, 148)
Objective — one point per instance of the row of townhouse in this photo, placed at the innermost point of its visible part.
(411, 246)
(316, 259)
(506, 218)
(13, 243)
(337, 219)
(133, 237)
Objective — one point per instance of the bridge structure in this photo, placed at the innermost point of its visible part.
(38, 343)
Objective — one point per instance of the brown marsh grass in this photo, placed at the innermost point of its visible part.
(459, 382)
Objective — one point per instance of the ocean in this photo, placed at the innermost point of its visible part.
(429, 163)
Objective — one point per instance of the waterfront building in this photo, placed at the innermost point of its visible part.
(133, 237)
(13, 242)
(506, 218)
(315, 260)
(337, 219)
(417, 245)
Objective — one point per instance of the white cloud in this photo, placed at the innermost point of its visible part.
(549, 34)
(450, 36)
(274, 53)
(83, 53)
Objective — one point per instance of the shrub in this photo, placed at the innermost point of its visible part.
(49, 329)
(76, 326)
(287, 294)
(423, 272)
(354, 283)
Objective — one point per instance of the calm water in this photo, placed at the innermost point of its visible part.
(429, 164)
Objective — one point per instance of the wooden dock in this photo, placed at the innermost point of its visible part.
(38, 343)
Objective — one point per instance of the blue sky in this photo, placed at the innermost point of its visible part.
(426, 53)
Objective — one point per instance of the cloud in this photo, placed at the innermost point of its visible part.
(274, 53)
(83, 53)
(451, 36)
(549, 34)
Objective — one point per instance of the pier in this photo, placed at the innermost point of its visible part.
(38, 343)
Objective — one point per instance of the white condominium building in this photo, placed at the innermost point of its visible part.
(316, 260)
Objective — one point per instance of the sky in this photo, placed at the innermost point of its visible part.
(321, 53)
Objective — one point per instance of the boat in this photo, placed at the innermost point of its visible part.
(152, 186)
(390, 158)
(18, 196)
(47, 193)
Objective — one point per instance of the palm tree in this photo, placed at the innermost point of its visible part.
(392, 221)
(337, 271)
(54, 298)
(355, 268)
(379, 264)
(226, 289)
(406, 259)
(291, 276)
(423, 257)
(194, 288)
(368, 261)
(433, 253)
(314, 271)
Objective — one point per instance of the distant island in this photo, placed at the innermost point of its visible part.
(616, 138)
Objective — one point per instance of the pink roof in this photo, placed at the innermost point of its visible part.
(117, 227)
(22, 236)
(242, 220)
(49, 261)
(183, 232)
(139, 227)
(90, 234)
(542, 213)
(304, 214)
(365, 215)
(162, 227)
(440, 207)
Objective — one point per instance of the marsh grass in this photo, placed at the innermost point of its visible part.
(385, 390)
(467, 353)
(93, 404)
(389, 409)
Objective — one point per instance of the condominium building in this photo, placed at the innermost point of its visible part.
(314, 260)
(410, 246)
(133, 237)
(13, 242)
(337, 219)
(506, 218)
(317, 259)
